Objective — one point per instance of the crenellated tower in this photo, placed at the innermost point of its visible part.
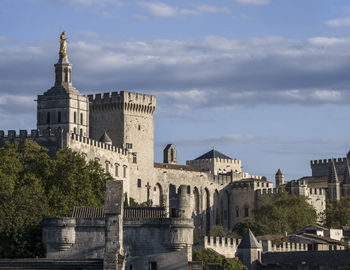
(127, 117)
(63, 106)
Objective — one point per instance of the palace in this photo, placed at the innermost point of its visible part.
(117, 130)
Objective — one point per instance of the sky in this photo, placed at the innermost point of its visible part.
(263, 81)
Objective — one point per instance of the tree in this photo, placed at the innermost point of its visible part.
(220, 231)
(33, 186)
(279, 214)
(338, 213)
(211, 257)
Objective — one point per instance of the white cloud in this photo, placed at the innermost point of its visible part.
(162, 10)
(253, 2)
(339, 22)
(220, 140)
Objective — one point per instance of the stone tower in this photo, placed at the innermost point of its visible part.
(333, 183)
(128, 119)
(63, 106)
(346, 182)
(249, 251)
(279, 178)
(169, 154)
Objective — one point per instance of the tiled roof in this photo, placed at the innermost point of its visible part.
(173, 166)
(88, 212)
(213, 154)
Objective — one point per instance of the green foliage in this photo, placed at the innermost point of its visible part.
(133, 203)
(283, 213)
(220, 231)
(338, 213)
(32, 186)
(210, 257)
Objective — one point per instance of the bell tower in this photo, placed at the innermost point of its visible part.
(63, 106)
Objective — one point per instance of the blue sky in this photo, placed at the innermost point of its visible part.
(264, 81)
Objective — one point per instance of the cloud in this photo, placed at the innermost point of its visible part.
(213, 72)
(253, 2)
(91, 2)
(339, 22)
(220, 140)
(162, 10)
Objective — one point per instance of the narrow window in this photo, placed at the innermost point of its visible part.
(75, 117)
(237, 213)
(59, 117)
(246, 211)
(129, 146)
(81, 132)
(70, 75)
(124, 171)
(188, 189)
(66, 75)
(75, 130)
(134, 158)
(107, 167)
(81, 119)
(139, 127)
(48, 118)
(116, 170)
(138, 183)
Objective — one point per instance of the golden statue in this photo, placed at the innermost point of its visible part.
(63, 47)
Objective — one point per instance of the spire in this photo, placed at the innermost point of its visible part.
(249, 241)
(333, 176)
(105, 138)
(279, 172)
(347, 172)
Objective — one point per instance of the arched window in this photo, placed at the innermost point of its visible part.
(116, 170)
(107, 166)
(81, 119)
(66, 75)
(124, 171)
(48, 118)
(59, 117)
(75, 117)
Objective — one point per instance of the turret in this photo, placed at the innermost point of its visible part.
(279, 178)
(63, 106)
(184, 202)
(249, 251)
(105, 139)
(169, 154)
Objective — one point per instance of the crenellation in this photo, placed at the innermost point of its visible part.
(98, 144)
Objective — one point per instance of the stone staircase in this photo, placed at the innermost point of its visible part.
(47, 264)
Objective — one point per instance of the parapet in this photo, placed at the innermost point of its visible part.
(209, 160)
(268, 246)
(23, 134)
(328, 161)
(123, 100)
(222, 245)
(98, 144)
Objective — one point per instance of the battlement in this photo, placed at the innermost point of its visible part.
(328, 161)
(222, 245)
(221, 178)
(98, 144)
(268, 246)
(23, 134)
(267, 191)
(209, 160)
(123, 100)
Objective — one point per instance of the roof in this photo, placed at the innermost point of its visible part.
(335, 257)
(88, 212)
(213, 154)
(105, 138)
(279, 172)
(173, 166)
(249, 241)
